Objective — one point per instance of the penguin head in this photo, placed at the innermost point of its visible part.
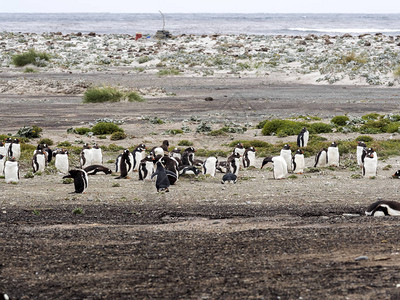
(361, 144)
(239, 145)
(397, 174)
(333, 144)
(86, 146)
(165, 143)
(266, 160)
(190, 149)
(286, 147)
(304, 129)
(251, 149)
(299, 151)
(15, 141)
(95, 146)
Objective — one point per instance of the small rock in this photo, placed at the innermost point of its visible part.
(361, 258)
(209, 99)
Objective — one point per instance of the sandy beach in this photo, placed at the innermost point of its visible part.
(305, 237)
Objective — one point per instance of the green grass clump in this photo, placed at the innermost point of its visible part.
(30, 70)
(78, 211)
(104, 94)
(82, 130)
(168, 72)
(364, 138)
(38, 59)
(396, 72)
(64, 144)
(254, 143)
(112, 148)
(47, 141)
(340, 120)
(282, 128)
(29, 132)
(134, 97)
(319, 127)
(375, 126)
(352, 57)
(118, 135)
(106, 128)
(185, 143)
(208, 153)
(371, 116)
(174, 131)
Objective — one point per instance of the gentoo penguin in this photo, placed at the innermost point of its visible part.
(302, 138)
(233, 163)
(97, 155)
(210, 166)
(188, 156)
(45, 148)
(94, 169)
(360, 149)
(86, 156)
(176, 153)
(80, 180)
(333, 155)
(2, 162)
(240, 150)
(124, 164)
(14, 150)
(3, 149)
(321, 159)
(188, 170)
(383, 208)
(138, 154)
(286, 153)
(249, 157)
(7, 144)
(39, 161)
(396, 175)
(369, 163)
(161, 150)
(162, 181)
(229, 178)
(280, 166)
(61, 160)
(222, 166)
(298, 162)
(11, 170)
(146, 168)
(170, 164)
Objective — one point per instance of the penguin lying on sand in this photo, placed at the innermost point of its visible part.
(229, 178)
(80, 180)
(162, 181)
(188, 170)
(94, 169)
(383, 208)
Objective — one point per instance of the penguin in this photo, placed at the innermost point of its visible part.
(229, 178)
(3, 150)
(233, 163)
(360, 149)
(321, 159)
(298, 162)
(383, 208)
(80, 180)
(39, 161)
(366, 152)
(45, 148)
(222, 166)
(198, 163)
(302, 138)
(286, 153)
(188, 156)
(94, 169)
(249, 157)
(7, 144)
(176, 153)
(86, 156)
(280, 166)
(210, 166)
(124, 164)
(162, 181)
(138, 154)
(146, 168)
(188, 170)
(97, 155)
(61, 160)
(333, 155)
(369, 163)
(11, 170)
(161, 150)
(14, 150)
(240, 150)
(2, 162)
(396, 175)
(170, 164)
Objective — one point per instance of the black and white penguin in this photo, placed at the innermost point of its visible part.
(80, 180)
(298, 162)
(249, 157)
(333, 155)
(45, 148)
(3, 150)
(161, 150)
(188, 156)
(14, 149)
(396, 175)
(86, 156)
(7, 144)
(39, 161)
(188, 170)
(222, 166)
(124, 164)
(11, 171)
(61, 161)
(146, 168)
(383, 208)
(233, 163)
(229, 178)
(302, 138)
(176, 153)
(240, 150)
(369, 163)
(162, 181)
(138, 154)
(210, 166)
(170, 164)
(2, 163)
(280, 166)
(94, 169)
(360, 149)
(321, 159)
(286, 153)
(97, 155)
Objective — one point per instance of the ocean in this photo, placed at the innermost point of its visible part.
(254, 24)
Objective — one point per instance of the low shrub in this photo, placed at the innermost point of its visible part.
(47, 141)
(106, 128)
(282, 128)
(167, 72)
(134, 97)
(319, 127)
(364, 138)
(371, 116)
(174, 131)
(82, 130)
(340, 120)
(29, 132)
(64, 144)
(38, 59)
(118, 135)
(254, 143)
(104, 94)
(185, 143)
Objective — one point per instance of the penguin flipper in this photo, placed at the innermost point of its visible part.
(171, 173)
(154, 174)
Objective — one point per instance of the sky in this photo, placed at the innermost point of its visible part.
(202, 6)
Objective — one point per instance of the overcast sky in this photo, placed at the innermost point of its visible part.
(198, 6)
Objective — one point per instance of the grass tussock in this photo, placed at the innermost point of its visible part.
(38, 59)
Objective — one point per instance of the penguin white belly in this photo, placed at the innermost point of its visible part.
(306, 136)
(359, 155)
(130, 168)
(287, 156)
(333, 156)
(97, 157)
(158, 151)
(280, 167)
(370, 166)
(88, 158)
(14, 150)
(241, 153)
(300, 163)
(2, 162)
(138, 158)
(210, 166)
(252, 158)
(150, 170)
(321, 160)
(3, 151)
(41, 162)
(11, 172)
(62, 163)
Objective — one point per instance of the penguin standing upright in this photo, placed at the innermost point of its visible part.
(240, 150)
(233, 163)
(138, 154)
(286, 153)
(39, 161)
(162, 181)
(97, 155)
(383, 208)
(369, 163)
(2, 163)
(302, 138)
(86, 156)
(61, 160)
(80, 180)
(280, 166)
(360, 149)
(146, 168)
(11, 170)
(333, 155)
(14, 150)
(45, 148)
(210, 166)
(170, 164)
(124, 163)
(321, 159)
(249, 157)
(7, 144)
(298, 162)
(188, 156)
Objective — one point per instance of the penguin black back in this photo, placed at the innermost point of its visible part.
(80, 180)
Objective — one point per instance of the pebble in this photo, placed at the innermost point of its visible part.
(361, 258)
